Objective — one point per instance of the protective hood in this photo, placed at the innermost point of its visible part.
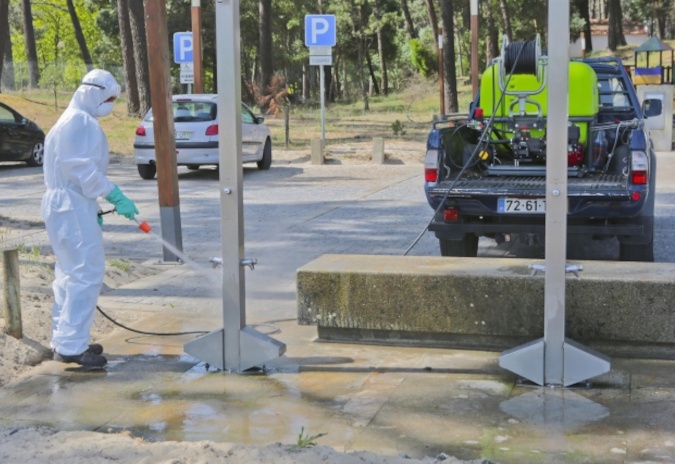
(97, 86)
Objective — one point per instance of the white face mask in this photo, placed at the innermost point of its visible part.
(104, 109)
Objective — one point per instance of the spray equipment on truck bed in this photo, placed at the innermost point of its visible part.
(512, 108)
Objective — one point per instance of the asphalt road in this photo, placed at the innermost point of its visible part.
(294, 213)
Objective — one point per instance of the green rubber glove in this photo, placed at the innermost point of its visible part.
(123, 205)
(99, 218)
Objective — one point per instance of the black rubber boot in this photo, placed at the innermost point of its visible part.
(95, 348)
(86, 359)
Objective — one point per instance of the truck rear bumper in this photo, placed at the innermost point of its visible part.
(637, 230)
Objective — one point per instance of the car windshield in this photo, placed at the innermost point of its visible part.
(191, 111)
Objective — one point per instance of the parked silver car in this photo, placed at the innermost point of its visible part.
(196, 124)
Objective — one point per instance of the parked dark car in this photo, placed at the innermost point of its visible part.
(20, 138)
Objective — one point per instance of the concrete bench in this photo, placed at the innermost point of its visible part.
(485, 303)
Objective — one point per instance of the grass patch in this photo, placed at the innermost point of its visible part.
(414, 106)
(121, 265)
(305, 441)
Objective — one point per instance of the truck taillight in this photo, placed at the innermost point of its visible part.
(639, 166)
(451, 215)
(431, 166)
(140, 131)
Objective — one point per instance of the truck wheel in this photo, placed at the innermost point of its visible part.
(466, 247)
(632, 252)
(147, 171)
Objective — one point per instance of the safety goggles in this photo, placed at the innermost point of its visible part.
(94, 85)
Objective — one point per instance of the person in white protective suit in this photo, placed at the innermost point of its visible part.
(75, 166)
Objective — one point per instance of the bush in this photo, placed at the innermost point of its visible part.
(423, 59)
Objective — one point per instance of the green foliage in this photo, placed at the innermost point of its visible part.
(577, 24)
(305, 441)
(398, 128)
(422, 58)
(121, 265)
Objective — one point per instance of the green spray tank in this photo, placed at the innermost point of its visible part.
(514, 92)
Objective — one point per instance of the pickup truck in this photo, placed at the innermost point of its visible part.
(485, 172)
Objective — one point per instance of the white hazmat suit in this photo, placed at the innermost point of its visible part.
(75, 166)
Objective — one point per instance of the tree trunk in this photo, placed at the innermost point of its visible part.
(507, 19)
(127, 42)
(383, 63)
(357, 33)
(412, 32)
(4, 35)
(615, 37)
(373, 77)
(31, 50)
(582, 7)
(7, 57)
(433, 21)
(137, 21)
(265, 47)
(305, 83)
(328, 83)
(337, 87)
(661, 23)
(492, 39)
(447, 15)
(79, 36)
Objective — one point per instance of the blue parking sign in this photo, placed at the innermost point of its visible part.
(320, 30)
(182, 47)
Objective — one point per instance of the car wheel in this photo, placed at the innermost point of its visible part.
(466, 247)
(147, 171)
(637, 252)
(37, 155)
(266, 161)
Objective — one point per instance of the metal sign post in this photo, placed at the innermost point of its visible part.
(321, 37)
(187, 75)
(321, 55)
(235, 347)
(556, 360)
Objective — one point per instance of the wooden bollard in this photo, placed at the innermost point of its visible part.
(11, 292)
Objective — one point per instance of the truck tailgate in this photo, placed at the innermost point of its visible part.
(611, 185)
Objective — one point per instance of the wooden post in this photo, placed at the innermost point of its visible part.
(441, 74)
(287, 122)
(474, 48)
(11, 292)
(163, 125)
(197, 45)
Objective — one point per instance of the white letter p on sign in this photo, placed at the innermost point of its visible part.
(185, 46)
(319, 27)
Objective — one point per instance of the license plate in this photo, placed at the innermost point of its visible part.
(521, 205)
(183, 135)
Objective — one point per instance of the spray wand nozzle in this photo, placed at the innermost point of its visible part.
(143, 225)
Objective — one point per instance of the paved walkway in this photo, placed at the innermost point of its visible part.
(388, 400)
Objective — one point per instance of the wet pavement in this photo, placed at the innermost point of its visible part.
(388, 400)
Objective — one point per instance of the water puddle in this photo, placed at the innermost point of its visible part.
(559, 408)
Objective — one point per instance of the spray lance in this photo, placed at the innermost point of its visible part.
(142, 225)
